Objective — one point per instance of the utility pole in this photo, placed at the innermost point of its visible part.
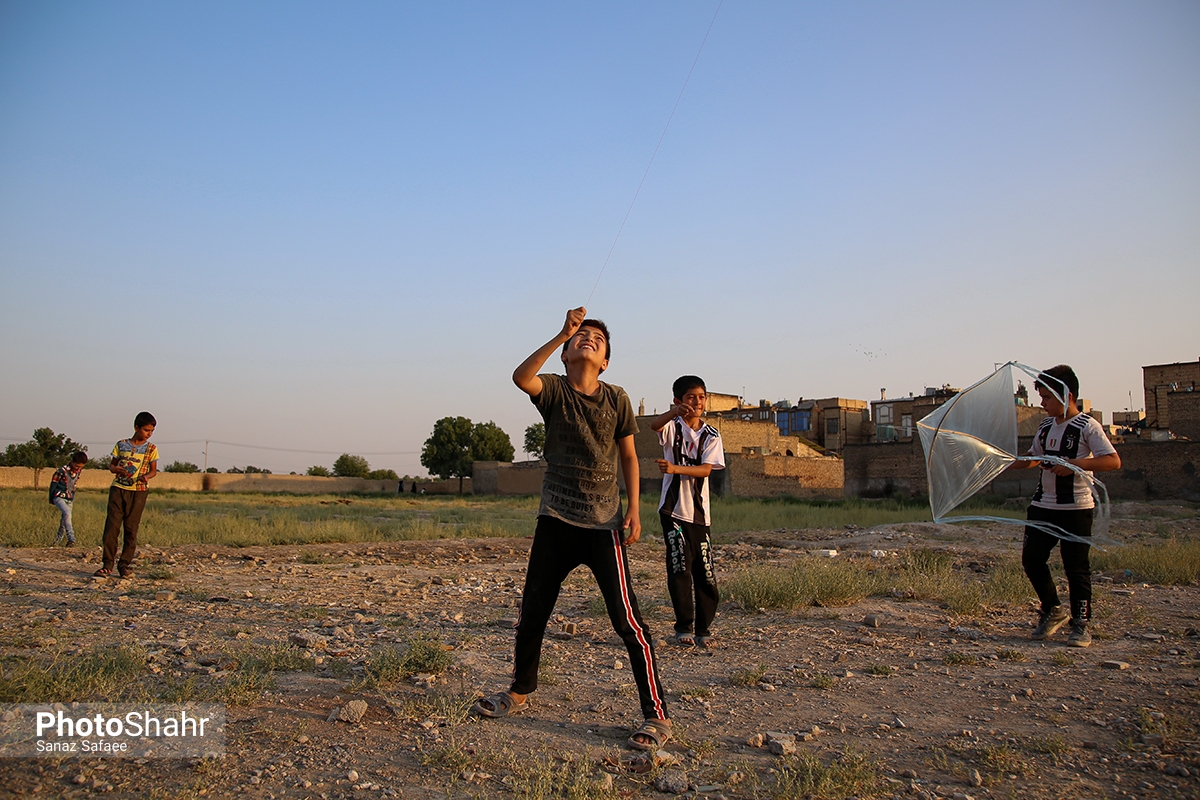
(206, 455)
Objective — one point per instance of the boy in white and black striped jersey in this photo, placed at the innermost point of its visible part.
(691, 451)
(1064, 498)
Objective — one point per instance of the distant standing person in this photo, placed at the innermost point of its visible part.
(1064, 498)
(691, 451)
(134, 463)
(62, 495)
(589, 433)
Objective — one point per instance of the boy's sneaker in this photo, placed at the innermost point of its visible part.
(1079, 635)
(1050, 621)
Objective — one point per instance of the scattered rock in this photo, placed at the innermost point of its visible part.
(163, 597)
(1113, 665)
(782, 748)
(352, 712)
(871, 620)
(307, 640)
(755, 740)
(672, 782)
(975, 779)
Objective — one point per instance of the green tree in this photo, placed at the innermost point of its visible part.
(535, 439)
(181, 466)
(447, 452)
(45, 449)
(456, 443)
(490, 443)
(255, 470)
(317, 471)
(383, 475)
(348, 466)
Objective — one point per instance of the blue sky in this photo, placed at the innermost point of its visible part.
(321, 227)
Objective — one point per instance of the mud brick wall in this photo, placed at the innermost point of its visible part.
(1156, 385)
(736, 434)
(98, 479)
(505, 477)
(773, 476)
(1156, 471)
(884, 468)
(1149, 471)
(1185, 414)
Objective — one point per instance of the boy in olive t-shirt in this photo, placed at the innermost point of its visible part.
(589, 430)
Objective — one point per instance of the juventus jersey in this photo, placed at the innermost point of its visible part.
(684, 497)
(1078, 437)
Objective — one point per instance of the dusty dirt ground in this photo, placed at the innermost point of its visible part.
(1027, 719)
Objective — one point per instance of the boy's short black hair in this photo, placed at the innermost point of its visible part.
(1060, 376)
(599, 325)
(79, 457)
(686, 383)
(144, 418)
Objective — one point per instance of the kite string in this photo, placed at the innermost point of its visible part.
(654, 154)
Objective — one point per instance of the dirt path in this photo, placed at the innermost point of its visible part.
(946, 707)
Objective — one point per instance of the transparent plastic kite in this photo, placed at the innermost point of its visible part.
(972, 438)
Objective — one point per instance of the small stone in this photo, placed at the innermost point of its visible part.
(352, 712)
(248, 594)
(767, 687)
(1153, 739)
(871, 620)
(755, 740)
(975, 779)
(672, 781)
(163, 597)
(308, 640)
(1113, 665)
(79, 780)
(302, 739)
(911, 774)
(605, 782)
(619, 664)
(570, 628)
(782, 748)
(352, 775)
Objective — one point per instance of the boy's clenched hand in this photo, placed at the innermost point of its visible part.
(575, 318)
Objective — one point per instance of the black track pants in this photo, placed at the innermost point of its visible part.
(690, 569)
(1035, 557)
(558, 548)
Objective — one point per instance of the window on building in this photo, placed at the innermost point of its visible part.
(831, 425)
(885, 414)
(906, 424)
(801, 421)
(764, 414)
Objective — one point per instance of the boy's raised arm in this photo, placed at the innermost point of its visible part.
(660, 422)
(526, 376)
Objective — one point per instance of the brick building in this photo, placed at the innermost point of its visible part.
(1170, 394)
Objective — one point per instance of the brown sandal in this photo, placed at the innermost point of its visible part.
(103, 572)
(654, 734)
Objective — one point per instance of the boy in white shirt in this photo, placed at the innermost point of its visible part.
(691, 451)
(1064, 498)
